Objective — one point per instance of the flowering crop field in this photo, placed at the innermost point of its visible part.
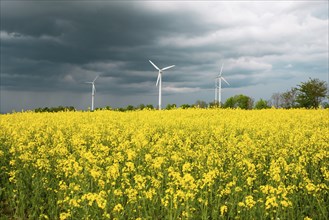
(177, 164)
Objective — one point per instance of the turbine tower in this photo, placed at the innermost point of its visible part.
(93, 90)
(159, 80)
(218, 86)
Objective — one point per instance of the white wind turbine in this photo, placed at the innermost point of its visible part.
(218, 86)
(93, 90)
(159, 80)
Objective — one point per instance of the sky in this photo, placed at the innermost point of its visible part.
(50, 48)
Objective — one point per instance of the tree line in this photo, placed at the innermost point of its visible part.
(309, 94)
(55, 109)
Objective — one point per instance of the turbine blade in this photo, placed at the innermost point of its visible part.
(225, 80)
(96, 78)
(158, 79)
(154, 65)
(88, 82)
(221, 70)
(168, 67)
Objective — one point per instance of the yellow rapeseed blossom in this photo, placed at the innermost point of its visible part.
(64, 215)
(249, 201)
(178, 164)
(223, 210)
(118, 208)
(271, 202)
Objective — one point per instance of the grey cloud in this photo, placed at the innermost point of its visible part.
(56, 45)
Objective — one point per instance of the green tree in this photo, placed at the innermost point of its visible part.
(149, 106)
(276, 100)
(55, 109)
(261, 104)
(200, 104)
(130, 108)
(311, 93)
(141, 106)
(241, 101)
(185, 106)
(171, 106)
(288, 98)
(214, 104)
(230, 103)
(244, 102)
(325, 105)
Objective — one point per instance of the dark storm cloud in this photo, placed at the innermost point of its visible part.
(40, 38)
(98, 26)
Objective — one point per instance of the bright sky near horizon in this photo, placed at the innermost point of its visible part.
(49, 48)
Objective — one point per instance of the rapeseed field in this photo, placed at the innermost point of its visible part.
(177, 164)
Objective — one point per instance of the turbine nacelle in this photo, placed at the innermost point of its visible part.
(222, 78)
(160, 71)
(93, 82)
(219, 77)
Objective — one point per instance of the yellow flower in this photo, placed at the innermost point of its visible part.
(132, 195)
(118, 208)
(150, 193)
(65, 215)
(238, 189)
(249, 200)
(117, 192)
(187, 167)
(74, 203)
(223, 210)
(310, 187)
(241, 204)
(271, 202)
(285, 203)
(250, 181)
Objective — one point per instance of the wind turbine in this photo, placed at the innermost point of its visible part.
(159, 80)
(218, 86)
(93, 90)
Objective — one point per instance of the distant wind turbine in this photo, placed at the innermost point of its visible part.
(93, 90)
(218, 86)
(159, 80)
